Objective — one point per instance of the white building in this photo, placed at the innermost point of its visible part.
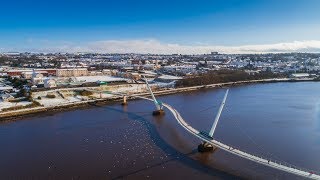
(37, 78)
(50, 83)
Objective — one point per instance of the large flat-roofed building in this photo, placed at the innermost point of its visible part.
(72, 72)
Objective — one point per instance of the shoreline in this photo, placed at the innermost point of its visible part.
(30, 112)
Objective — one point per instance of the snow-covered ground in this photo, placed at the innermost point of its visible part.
(100, 78)
(58, 100)
(71, 96)
(164, 85)
(137, 88)
(169, 77)
(132, 88)
(4, 104)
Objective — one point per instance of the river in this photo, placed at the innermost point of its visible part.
(278, 120)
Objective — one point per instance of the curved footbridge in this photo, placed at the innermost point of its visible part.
(230, 149)
(208, 138)
(238, 152)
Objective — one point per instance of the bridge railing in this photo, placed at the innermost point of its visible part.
(275, 161)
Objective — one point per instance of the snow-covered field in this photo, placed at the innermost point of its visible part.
(137, 88)
(58, 100)
(4, 104)
(133, 88)
(47, 102)
(70, 96)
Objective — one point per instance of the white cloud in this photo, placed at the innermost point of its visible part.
(157, 47)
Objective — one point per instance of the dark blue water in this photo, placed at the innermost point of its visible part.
(280, 121)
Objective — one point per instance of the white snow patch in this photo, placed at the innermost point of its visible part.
(169, 77)
(100, 78)
(4, 104)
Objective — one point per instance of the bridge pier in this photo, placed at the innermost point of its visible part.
(206, 147)
(124, 103)
(158, 112)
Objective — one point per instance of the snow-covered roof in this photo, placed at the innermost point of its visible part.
(5, 88)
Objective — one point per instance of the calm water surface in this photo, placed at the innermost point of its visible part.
(280, 120)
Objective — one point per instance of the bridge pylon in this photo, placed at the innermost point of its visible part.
(206, 147)
(159, 107)
(124, 102)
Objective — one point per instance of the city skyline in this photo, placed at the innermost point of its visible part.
(183, 27)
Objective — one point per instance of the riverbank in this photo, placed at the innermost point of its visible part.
(12, 115)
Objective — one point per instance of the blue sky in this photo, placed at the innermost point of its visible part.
(77, 24)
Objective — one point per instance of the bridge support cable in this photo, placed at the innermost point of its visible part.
(271, 157)
(236, 124)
